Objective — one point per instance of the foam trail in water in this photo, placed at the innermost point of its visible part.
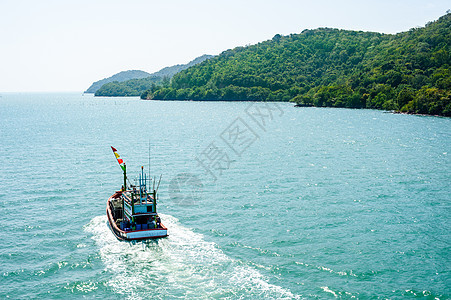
(181, 265)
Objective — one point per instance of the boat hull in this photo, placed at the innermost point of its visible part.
(135, 234)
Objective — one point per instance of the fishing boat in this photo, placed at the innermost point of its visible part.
(132, 211)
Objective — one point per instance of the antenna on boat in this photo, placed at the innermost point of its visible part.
(159, 182)
(149, 162)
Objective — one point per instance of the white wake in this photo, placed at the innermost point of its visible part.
(179, 266)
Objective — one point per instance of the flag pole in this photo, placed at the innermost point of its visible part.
(122, 165)
(125, 177)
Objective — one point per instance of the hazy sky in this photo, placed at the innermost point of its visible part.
(65, 45)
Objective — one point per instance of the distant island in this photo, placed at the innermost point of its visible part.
(119, 77)
(406, 72)
(134, 83)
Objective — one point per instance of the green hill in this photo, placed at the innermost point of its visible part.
(171, 71)
(128, 88)
(121, 76)
(136, 86)
(409, 71)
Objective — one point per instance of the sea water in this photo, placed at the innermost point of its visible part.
(261, 200)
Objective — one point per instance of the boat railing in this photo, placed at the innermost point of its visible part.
(148, 199)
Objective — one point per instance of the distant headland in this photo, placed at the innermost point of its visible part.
(135, 82)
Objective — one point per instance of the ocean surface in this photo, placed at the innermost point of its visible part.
(261, 200)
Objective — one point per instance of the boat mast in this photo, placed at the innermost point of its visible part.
(122, 165)
(125, 177)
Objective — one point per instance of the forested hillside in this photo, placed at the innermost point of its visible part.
(136, 86)
(128, 88)
(119, 77)
(408, 72)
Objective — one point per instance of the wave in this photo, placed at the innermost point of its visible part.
(183, 265)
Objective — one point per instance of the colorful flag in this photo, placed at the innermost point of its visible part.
(119, 159)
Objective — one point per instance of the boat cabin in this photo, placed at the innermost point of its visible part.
(136, 209)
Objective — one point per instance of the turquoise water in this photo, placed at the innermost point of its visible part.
(288, 203)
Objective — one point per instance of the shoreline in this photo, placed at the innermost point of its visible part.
(295, 105)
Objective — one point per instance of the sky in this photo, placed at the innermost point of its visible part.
(65, 45)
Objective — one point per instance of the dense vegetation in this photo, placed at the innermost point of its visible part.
(408, 72)
(132, 87)
(121, 76)
(138, 85)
